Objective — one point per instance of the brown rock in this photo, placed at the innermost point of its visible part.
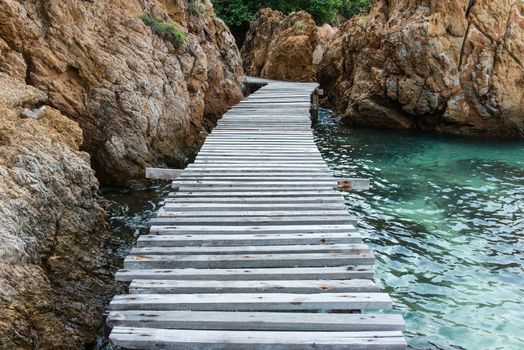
(453, 66)
(138, 99)
(53, 275)
(284, 48)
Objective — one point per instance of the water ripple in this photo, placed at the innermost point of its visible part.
(445, 218)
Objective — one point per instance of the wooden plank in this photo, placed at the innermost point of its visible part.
(165, 339)
(252, 301)
(258, 190)
(210, 176)
(263, 274)
(296, 287)
(253, 260)
(157, 242)
(260, 169)
(251, 207)
(253, 220)
(253, 200)
(162, 173)
(256, 321)
(265, 194)
(353, 183)
(349, 249)
(253, 229)
(247, 215)
(311, 183)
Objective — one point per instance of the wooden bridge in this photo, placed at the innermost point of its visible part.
(255, 249)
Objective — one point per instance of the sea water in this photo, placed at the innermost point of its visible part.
(445, 219)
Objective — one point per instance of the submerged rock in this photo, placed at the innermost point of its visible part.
(138, 98)
(284, 48)
(454, 66)
(53, 267)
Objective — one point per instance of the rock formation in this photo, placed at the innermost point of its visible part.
(138, 99)
(53, 274)
(453, 66)
(284, 48)
(91, 76)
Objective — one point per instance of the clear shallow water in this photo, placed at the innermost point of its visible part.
(445, 218)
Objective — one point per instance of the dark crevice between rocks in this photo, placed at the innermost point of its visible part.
(30, 67)
(471, 3)
(463, 47)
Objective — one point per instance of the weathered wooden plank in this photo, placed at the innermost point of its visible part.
(311, 159)
(265, 194)
(252, 190)
(263, 274)
(269, 321)
(252, 301)
(208, 287)
(165, 339)
(285, 183)
(247, 215)
(251, 207)
(157, 242)
(303, 177)
(259, 169)
(350, 249)
(353, 183)
(299, 228)
(162, 173)
(253, 220)
(253, 260)
(253, 200)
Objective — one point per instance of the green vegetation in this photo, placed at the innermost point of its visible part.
(194, 7)
(167, 31)
(238, 12)
(300, 25)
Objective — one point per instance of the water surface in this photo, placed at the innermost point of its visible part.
(445, 218)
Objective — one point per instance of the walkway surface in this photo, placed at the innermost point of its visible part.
(255, 249)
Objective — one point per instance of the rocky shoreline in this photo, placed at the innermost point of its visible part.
(452, 67)
(90, 88)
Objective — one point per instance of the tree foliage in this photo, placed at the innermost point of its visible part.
(238, 12)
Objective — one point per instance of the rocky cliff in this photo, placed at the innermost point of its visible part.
(453, 66)
(284, 48)
(133, 83)
(53, 268)
(139, 98)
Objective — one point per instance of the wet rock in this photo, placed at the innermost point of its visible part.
(284, 48)
(452, 66)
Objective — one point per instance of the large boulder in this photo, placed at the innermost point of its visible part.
(453, 66)
(54, 279)
(139, 99)
(284, 48)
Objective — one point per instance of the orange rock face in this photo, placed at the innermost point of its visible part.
(452, 66)
(138, 99)
(284, 48)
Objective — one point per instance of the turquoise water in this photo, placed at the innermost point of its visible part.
(445, 218)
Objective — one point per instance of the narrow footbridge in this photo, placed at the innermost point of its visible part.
(255, 248)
